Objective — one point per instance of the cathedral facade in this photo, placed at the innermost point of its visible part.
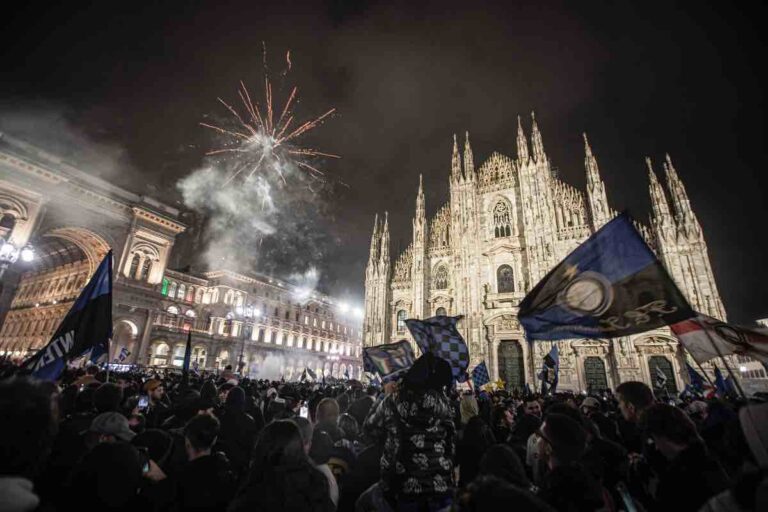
(507, 223)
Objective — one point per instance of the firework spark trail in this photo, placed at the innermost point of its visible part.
(263, 144)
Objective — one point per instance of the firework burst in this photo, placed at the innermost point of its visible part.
(265, 139)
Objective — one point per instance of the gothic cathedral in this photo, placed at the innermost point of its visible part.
(508, 222)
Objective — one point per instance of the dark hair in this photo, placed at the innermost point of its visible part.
(566, 437)
(636, 393)
(281, 476)
(27, 424)
(349, 427)
(670, 423)
(109, 475)
(323, 408)
(202, 431)
(107, 397)
(488, 492)
(501, 461)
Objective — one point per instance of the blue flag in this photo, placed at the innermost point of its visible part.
(390, 360)
(311, 373)
(611, 285)
(528, 391)
(720, 385)
(697, 381)
(440, 336)
(549, 371)
(86, 327)
(346, 373)
(480, 375)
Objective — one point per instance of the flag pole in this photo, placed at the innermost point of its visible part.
(722, 358)
(705, 373)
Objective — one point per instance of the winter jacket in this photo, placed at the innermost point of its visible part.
(418, 433)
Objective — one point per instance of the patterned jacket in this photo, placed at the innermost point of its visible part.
(418, 434)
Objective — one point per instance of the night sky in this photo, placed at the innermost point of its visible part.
(135, 81)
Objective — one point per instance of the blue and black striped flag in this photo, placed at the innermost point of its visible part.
(611, 285)
(87, 327)
(440, 336)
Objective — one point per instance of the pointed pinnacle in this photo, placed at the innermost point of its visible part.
(519, 123)
(466, 137)
(587, 147)
(420, 183)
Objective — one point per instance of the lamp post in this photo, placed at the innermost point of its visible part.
(9, 254)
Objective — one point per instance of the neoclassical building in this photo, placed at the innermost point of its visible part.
(72, 219)
(507, 223)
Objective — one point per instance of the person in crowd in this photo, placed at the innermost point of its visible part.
(282, 478)
(502, 423)
(749, 490)
(567, 485)
(633, 397)
(157, 410)
(692, 475)
(492, 493)
(477, 438)
(327, 412)
(107, 398)
(359, 408)
(502, 462)
(28, 425)
(592, 408)
(207, 482)
(318, 446)
(109, 477)
(238, 431)
(468, 408)
(416, 421)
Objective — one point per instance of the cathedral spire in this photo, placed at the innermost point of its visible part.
(684, 215)
(536, 142)
(596, 196)
(384, 251)
(659, 204)
(374, 251)
(522, 143)
(590, 163)
(469, 163)
(455, 161)
(420, 198)
(420, 219)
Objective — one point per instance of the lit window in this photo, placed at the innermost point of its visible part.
(191, 313)
(401, 320)
(173, 310)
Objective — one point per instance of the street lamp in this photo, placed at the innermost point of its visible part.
(9, 254)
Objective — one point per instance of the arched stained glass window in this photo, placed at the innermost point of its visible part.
(401, 320)
(182, 291)
(502, 220)
(172, 289)
(441, 278)
(505, 279)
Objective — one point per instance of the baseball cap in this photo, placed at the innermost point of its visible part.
(112, 423)
(591, 401)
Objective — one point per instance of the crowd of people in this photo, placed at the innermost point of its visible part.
(157, 441)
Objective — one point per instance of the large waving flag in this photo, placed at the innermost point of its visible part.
(440, 336)
(611, 285)
(706, 338)
(87, 327)
(390, 360)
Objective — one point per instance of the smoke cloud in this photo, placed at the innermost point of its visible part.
(270, 222)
